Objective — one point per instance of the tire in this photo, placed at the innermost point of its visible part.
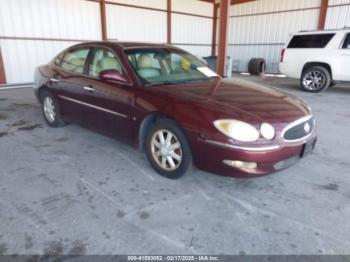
(157, 151)
(315, 79)
(50, 110)
(256, 66)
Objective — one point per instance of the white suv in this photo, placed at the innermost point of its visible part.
(319, 58)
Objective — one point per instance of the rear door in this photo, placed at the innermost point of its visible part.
(68, 82)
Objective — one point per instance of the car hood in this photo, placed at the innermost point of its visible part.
(234, 99)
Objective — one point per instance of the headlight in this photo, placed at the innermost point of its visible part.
(267, 131)
(237, 130)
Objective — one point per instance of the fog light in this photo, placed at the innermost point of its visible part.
(240, 164)
(279, 165)
(285, 163)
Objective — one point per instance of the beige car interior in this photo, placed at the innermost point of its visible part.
(104, 60)
(146, 68)
(73, 63)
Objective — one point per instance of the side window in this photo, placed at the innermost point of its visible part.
(175, 62)
(346, 44)
(310, 41)
(58, 59)
(104, 60)
(74, 60)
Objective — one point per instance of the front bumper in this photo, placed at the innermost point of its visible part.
(209, 156)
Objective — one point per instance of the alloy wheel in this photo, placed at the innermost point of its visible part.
(166, 150)
(49, 109)
(314, 80)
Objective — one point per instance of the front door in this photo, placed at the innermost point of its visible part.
(109, 104)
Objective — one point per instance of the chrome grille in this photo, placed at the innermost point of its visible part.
(299, 129)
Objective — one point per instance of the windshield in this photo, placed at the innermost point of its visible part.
(156, 66)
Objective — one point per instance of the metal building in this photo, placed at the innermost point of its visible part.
(33, 31)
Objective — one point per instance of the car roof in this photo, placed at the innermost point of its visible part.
(126, 45)
(140, 44)
(326, 31)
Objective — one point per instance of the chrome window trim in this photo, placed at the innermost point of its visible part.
(93, 106)
(295, 123)
(254, 149)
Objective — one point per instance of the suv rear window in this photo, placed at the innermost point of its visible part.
(310, 41)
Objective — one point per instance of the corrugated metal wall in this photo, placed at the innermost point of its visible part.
(261, 28)
(193, 32)
(21, 57)
(33, 31)
(338, 15)
(60, 19)
(50, 18)
(136, 24)
(190, 32)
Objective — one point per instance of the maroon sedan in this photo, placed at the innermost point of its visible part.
(171, 105)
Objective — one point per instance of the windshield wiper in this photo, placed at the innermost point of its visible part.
(165, 83)
(180, 81)
(204, 78)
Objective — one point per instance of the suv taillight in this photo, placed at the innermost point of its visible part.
(282, 54)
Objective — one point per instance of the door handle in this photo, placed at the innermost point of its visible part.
(54, 80)
(88, 88)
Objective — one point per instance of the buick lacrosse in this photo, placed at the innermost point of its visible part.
(172, 106)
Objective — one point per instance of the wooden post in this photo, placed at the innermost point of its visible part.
(169, 21)
(323, 14)
(215, 22)
(223, 36)
(103, 19)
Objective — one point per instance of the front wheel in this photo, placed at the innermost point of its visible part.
(316, 79)
(167, 149)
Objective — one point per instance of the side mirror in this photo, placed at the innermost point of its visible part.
(112, 74)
